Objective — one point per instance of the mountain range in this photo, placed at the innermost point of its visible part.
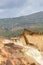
(32, 20)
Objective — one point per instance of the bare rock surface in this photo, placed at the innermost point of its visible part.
(26, 49)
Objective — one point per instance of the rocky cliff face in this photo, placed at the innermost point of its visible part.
(35, 39)
(26, 49)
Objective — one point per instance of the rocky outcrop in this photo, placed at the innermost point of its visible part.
(23, 50)
(11, 54)
(34, 39)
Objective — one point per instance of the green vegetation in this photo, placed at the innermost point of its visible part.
(8, 33)
(38, 29)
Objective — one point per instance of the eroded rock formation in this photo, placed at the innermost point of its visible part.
(35, 39)
(26, 49)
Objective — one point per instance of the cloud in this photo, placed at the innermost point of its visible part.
(8, 4)
(15, 8)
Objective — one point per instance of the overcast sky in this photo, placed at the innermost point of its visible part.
(16, 8)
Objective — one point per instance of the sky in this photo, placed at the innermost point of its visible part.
(16, 8)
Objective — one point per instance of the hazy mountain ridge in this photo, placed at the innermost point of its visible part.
(33, 19)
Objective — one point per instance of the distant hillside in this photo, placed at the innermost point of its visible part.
(10, 27)
(35, 19)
